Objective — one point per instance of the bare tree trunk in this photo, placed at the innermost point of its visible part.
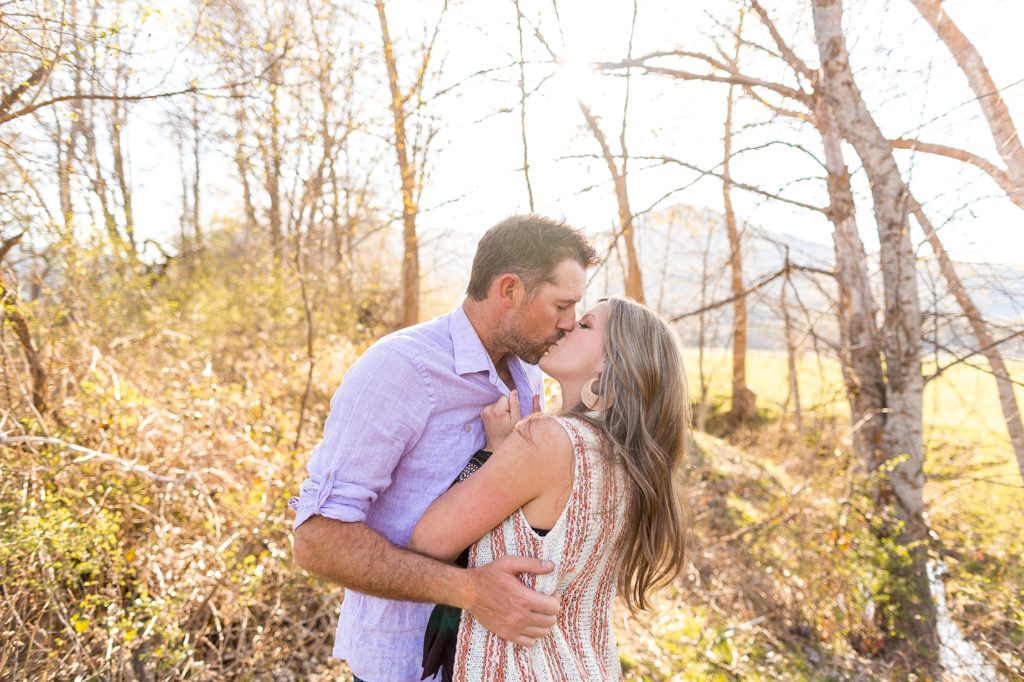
(794, 384)
(242, 163)
(186, 212)
(860, 341)
(272, 164)
(901, 440)
(633, 278)
(634, 282)
(410, 241)
(743, 399)
(702, 404)
(65, 168)
(343, 236)
(117, 122)
(1004, 132)
(522, 105)
(67, 172)
(88, 130)
(99, 183)
(986, 344)
(860, 352)
(197, 228)
(9, 305)
(307, 310)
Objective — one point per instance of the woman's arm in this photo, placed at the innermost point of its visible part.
(535, 459)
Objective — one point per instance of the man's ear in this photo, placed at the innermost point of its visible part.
(508, 284)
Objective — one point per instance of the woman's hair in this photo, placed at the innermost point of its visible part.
(646, 421)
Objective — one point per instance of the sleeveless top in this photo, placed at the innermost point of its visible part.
(583, 546)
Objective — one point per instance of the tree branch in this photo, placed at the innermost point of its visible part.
(1001, 177)
(759, 284)
(734, 78)
(739, 185)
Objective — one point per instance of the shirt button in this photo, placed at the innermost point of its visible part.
(468, 427)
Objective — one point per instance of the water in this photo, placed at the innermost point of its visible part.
(960, 658)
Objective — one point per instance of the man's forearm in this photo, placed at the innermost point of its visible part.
(358, 557)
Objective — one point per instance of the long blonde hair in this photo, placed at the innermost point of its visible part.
(646, 422)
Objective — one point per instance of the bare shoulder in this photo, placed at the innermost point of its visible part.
(546, 437)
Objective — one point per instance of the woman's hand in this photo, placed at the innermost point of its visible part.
(501, 417)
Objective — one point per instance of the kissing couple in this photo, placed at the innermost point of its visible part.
(478, 536)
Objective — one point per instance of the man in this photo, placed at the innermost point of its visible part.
(404, 423)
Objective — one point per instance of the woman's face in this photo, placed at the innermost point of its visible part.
(579, 356)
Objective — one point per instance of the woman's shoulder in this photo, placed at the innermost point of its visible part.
(566, 432)
(546, 431)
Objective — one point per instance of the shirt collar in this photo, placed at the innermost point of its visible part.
(468, 349)
(471, 356)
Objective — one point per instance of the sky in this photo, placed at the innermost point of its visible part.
(907, 75)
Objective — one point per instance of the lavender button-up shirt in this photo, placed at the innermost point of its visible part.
(403, 424)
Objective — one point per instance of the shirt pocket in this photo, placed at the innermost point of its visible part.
(446, 449)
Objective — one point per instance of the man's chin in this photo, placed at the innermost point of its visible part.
(532, 356)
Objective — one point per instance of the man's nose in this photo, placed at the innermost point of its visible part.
(567, 321)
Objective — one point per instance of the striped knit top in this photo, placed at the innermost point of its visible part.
(582, 544)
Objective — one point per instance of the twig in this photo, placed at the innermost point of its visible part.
(764, 281)
(89, 454)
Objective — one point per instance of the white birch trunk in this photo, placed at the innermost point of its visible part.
(859, 337)
(901, 439)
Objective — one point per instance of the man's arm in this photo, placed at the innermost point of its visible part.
(354, 555)
(352, 465)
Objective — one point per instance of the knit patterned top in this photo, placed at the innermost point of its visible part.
(582, 544)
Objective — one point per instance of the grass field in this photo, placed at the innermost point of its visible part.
(171, 553)
(974, 498)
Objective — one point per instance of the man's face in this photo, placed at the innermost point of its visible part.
(541, 319)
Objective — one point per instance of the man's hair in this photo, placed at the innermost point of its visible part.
(530, 246)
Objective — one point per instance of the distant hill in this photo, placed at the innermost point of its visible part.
(677, 244)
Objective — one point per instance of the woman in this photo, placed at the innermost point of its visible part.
(599, 477)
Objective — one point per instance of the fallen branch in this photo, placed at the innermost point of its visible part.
(88, 454)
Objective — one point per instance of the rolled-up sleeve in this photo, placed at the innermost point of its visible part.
(377, 414)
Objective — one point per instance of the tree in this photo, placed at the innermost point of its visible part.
(901, 446)
(617, 165)
(987, 346)
(743, 399)
(410, 167)
(634, 286)
(881, 366)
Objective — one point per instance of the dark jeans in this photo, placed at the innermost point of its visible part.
(357, 679)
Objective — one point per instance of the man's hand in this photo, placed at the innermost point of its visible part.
(507, 607)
